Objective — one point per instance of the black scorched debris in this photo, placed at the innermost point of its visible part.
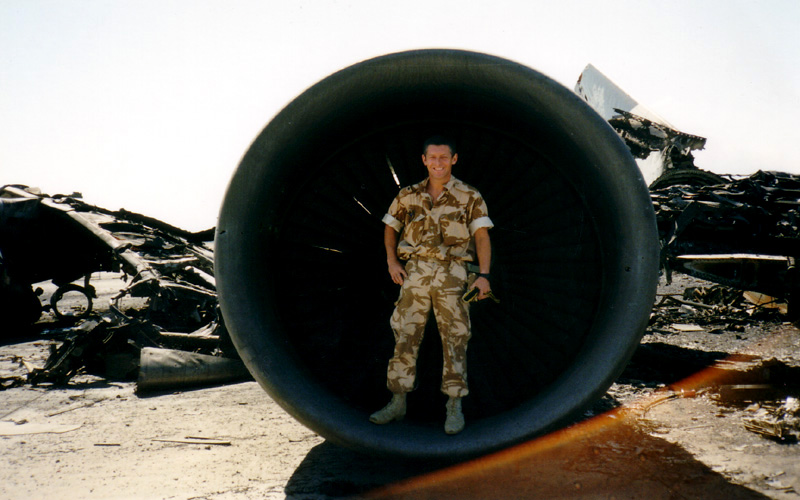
(65, 240)
(744, 234)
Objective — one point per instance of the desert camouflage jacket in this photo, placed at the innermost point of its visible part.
(441, 230)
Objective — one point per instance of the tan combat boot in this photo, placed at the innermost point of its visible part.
(395, 410)
(455, 419)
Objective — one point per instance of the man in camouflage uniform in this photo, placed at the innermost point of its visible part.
(442, 224)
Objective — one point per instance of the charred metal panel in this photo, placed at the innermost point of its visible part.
(660, 149)
(744, 234)
(63, 239)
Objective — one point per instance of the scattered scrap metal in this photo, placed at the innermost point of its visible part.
(781, 423)
(63, 239)
(767, 390)
(713, 309)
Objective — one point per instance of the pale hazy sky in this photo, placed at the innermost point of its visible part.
(149, 105)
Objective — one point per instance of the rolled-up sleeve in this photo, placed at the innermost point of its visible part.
(479, 223)
(392, 222)
(395, 217)
(479, 215)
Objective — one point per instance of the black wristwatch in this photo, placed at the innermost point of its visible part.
(483, 275)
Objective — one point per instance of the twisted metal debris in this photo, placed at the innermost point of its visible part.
(744, 234)
(61, 238)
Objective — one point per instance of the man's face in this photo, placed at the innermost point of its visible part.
(439, 162)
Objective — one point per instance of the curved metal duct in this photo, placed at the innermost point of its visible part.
(301, 269)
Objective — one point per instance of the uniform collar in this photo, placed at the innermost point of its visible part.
(447, 187)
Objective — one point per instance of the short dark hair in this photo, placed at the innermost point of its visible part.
(439, 140)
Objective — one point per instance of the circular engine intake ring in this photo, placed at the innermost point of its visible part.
(301, 269)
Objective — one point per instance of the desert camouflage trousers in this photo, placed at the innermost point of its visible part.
(439, 284)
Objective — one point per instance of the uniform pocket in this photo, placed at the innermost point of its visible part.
(455, 231)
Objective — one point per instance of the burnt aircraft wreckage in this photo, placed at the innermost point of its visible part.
(300, 267)
(744, 233)
(739, 232)
(663, 153)
(169, 299)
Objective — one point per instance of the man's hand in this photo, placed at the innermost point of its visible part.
(397, 272)
(483, 285)
(396, 269)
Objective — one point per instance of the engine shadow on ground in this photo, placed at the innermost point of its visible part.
(608, 456)
(660, 363)
(332, 471)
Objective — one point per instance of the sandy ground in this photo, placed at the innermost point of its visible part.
(665, 439)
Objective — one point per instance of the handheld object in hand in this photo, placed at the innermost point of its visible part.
(472, 295)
